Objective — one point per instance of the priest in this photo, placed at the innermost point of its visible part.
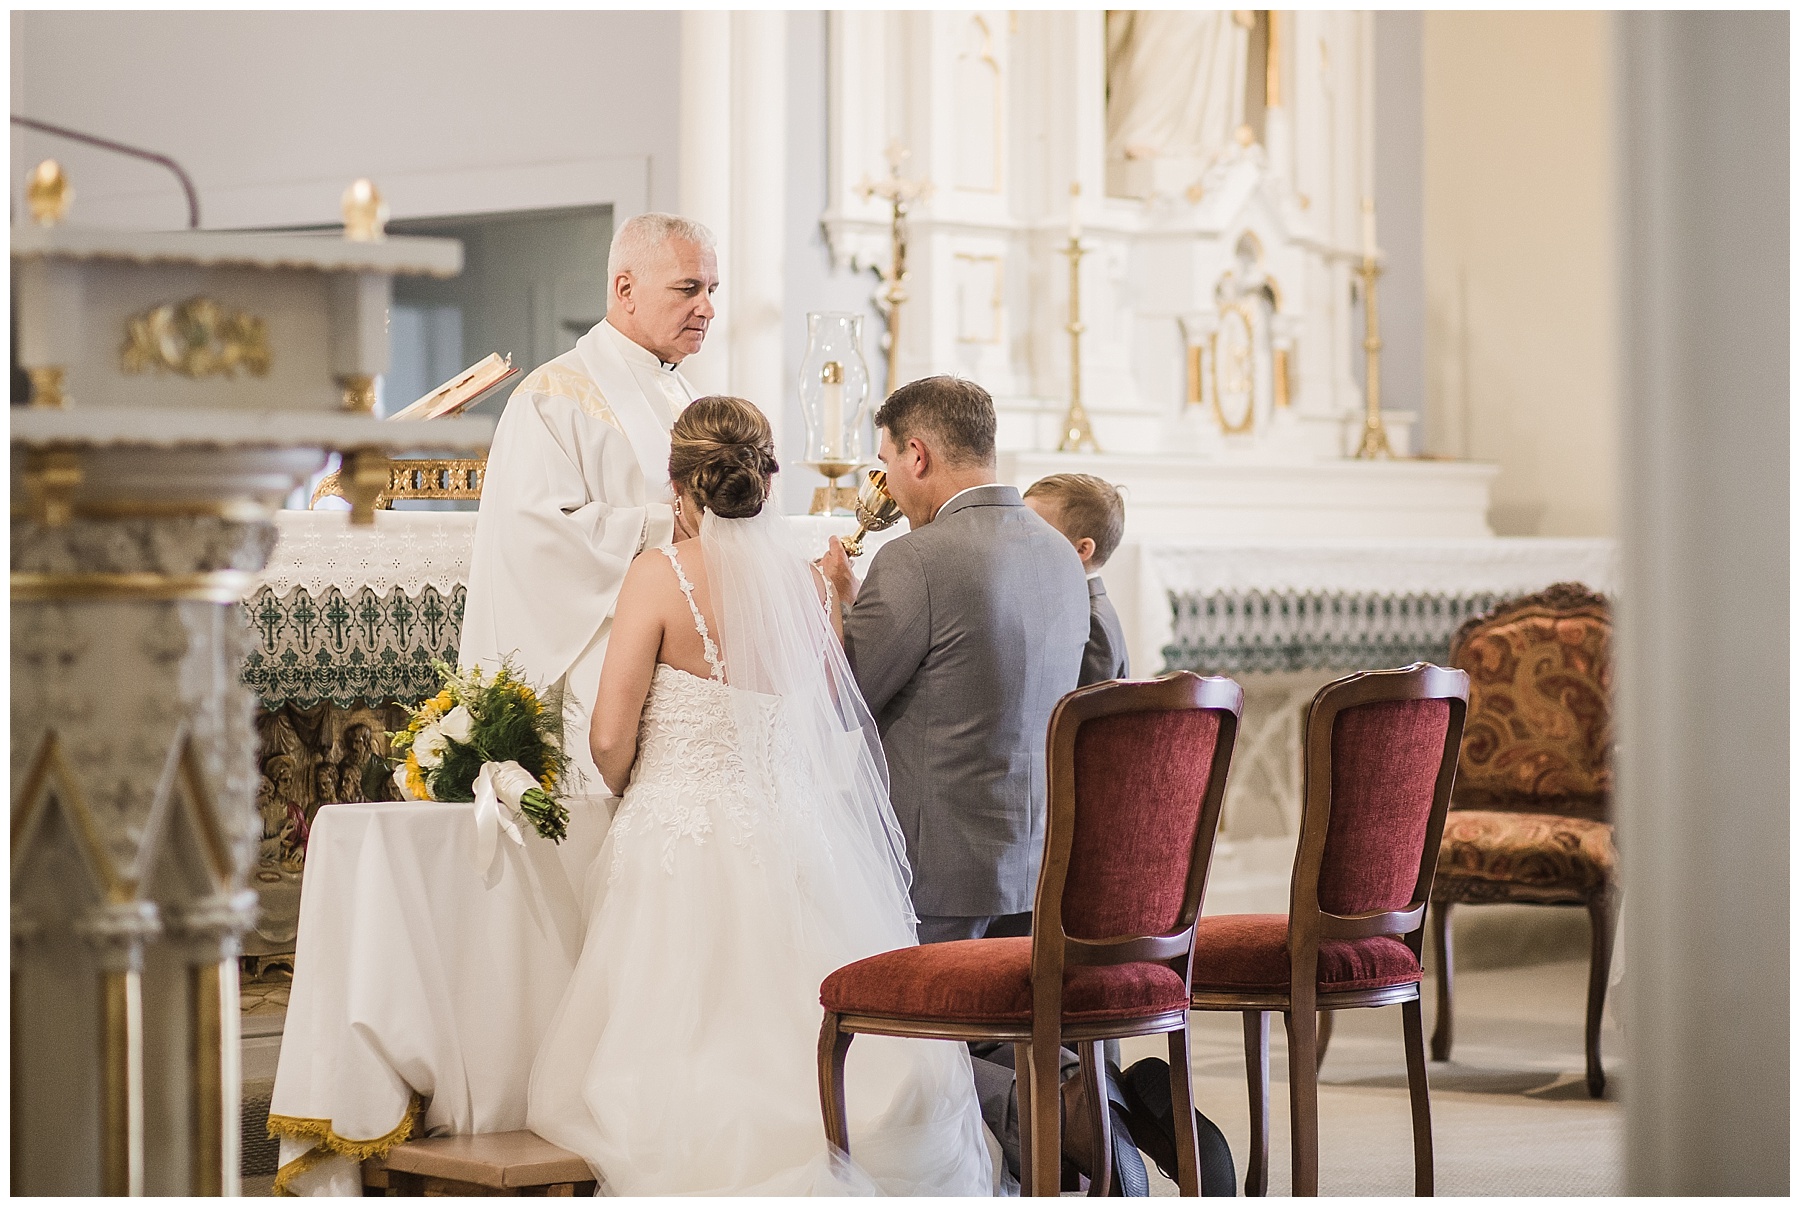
(578, 475)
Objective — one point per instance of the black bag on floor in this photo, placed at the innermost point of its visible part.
(1151, 1117)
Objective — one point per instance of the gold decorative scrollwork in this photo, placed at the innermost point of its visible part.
(198, 338)
(1234, 369)
(419, 478)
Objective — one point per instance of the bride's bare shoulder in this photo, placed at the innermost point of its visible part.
(648, 577)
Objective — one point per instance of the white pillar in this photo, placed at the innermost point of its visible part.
(758, 216)
(1704, 640)
(706, 169)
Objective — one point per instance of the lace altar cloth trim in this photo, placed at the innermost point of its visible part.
(348, 647)
(1306, 631)
(1498, 565)
(1350, 605)
(409, 550)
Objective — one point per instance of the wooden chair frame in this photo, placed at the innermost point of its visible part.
(1602, 904)
(1309, 924)
(1036, 1042)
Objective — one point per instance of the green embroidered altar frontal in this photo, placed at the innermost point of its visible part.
(1269, 631)
(347, 648)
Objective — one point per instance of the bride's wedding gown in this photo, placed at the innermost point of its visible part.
(683, 1056)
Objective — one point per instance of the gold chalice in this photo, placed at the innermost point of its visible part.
(875, 510)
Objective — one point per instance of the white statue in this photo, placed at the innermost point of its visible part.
(1175, 95)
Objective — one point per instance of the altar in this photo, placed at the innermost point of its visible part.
(347, 621)
(346, 624)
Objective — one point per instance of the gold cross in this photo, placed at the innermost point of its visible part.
(900, 194)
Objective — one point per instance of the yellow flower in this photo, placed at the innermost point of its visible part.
(415, 778)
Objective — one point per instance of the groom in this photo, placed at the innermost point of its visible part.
(967, 632)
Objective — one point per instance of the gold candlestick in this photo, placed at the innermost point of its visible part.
(1077, 432)
(900, 194)
(1374, 437)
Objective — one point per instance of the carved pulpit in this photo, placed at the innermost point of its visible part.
(183, 385)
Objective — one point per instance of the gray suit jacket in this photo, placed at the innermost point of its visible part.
(1105, 657)
(964, 636)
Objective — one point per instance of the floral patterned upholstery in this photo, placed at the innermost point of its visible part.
(1539, 733)
(1529, 820)
(1540, 857)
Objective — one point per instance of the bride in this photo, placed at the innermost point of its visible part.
(754, 853)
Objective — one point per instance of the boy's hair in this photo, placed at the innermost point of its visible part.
(1089, 507)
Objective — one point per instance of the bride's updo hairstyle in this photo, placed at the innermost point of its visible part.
(722, 452)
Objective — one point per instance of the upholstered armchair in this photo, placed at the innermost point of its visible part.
(1530, 820)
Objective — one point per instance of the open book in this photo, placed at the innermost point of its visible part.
(462, 391)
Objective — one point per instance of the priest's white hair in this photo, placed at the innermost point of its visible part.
(640, 238)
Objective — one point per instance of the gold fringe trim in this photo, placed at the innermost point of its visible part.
(329, 1142)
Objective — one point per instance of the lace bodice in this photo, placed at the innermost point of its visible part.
(713, 760)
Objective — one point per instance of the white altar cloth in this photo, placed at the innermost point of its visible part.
(412, 550)
(413, 979)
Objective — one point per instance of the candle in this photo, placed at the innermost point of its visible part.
(832, 421)
(1368, 208)
(1075, 211)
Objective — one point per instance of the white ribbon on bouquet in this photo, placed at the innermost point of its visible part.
(498, 784)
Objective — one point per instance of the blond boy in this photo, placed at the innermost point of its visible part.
(1089, 512)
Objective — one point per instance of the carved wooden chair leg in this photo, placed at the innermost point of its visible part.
(834, 1047)
(1424, 1173)
(1303, 1098)
(1326, 1019)
(1187, 1135)
(1022, 1092)
(1602, 919)
(1441, 1034)
(1093, 1083)
(1256, 1069)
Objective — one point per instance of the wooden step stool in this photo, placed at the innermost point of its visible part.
(498, 1163)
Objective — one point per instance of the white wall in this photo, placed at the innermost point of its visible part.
(1399, 203)
(812, 282)
(273, 113)
(1519, 262)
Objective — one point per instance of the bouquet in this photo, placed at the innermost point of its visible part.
(487, 739)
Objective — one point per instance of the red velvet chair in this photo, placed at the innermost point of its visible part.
(1136, 777)
(1380, 761)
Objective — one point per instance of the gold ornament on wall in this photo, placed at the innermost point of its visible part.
(365, 212)
(48, 193)
(198, 338)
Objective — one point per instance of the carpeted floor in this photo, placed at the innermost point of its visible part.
(1510, 1114)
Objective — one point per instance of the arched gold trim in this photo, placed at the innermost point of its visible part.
(1274, 288)
(1248, 423)
(50, 771)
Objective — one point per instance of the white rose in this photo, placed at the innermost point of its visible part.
(428, 747)
(457, 724)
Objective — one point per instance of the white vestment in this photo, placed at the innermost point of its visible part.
(577, 486)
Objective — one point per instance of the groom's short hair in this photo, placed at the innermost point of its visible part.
(958, 414)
